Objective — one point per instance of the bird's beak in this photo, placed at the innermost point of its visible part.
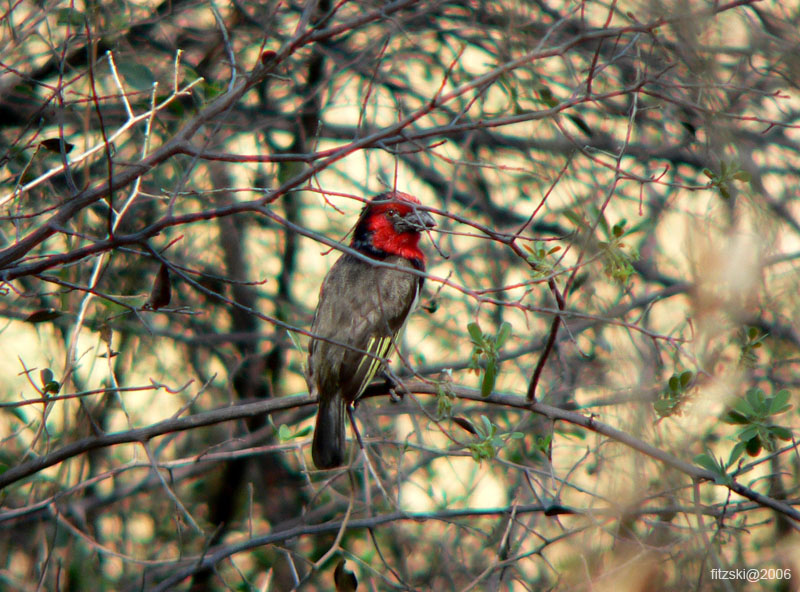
(420, 220)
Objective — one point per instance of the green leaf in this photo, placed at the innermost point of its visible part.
(285, 433)
(735, 417)
(706, 461)
(543, 443)
(54, 145)
(46, 375)
(781, 433)
(751, 431)
(42, 315)
(161, 292)
(465, 424)
(138, 76)
(503, 334)
(756, 399)
(546, 96)
(475, 333)
(743, 406)
(736, 453)
(742, 176)
(778, 404)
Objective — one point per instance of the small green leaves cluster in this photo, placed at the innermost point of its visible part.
(674, 395)
(486, 347)
(489, 440)
(540, 258)
(751, 340)
(755, 412)
(617, 261)
(729, 172)
(617, 257)
(542, 444)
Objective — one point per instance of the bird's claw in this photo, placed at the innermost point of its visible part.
(397, 393)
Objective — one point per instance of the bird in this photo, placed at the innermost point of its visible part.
(363, 307)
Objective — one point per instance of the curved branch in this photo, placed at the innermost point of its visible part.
(506, 400)
(180, 424)
(590, 423)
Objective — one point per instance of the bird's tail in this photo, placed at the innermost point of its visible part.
(327, 449)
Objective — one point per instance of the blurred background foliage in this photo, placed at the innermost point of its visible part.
(174, 179)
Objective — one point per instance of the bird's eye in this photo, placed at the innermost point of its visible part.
(393, 213)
